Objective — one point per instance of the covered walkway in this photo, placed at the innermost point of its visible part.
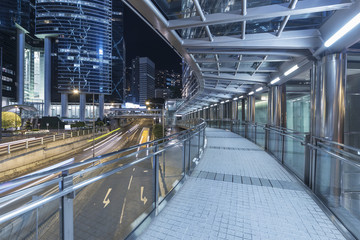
(238, 191)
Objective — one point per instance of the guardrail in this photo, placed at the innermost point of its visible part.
(7, 148)
(330, 169)
(130, 185)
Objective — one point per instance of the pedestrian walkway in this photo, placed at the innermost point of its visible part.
(238, 191)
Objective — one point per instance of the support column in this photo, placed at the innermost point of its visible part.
(20, 65)
(251, 109)
(234, 106)
(47, 74)
(101, 106)
(64, 105)
(329, 115)
(82, 106)
(243, 112)
(277, 106)
(221, 111)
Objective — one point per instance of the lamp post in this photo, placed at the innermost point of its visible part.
(16, 107)
(162, 115)
(77, 91)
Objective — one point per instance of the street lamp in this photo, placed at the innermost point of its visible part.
(77, 91)
(162, 114)
(16, 107)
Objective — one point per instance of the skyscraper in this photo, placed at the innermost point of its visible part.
(77, 42)
(118, 53)
(143, 80)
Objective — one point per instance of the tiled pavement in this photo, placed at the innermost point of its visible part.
(240, 192)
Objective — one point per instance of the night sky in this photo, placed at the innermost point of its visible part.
(142, 41)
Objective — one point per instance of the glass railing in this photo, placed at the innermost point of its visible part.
(330, 169)
(337, 181)
(106, 197)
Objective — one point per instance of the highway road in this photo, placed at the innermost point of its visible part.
(112, 207)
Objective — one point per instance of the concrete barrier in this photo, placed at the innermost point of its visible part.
(28, 160)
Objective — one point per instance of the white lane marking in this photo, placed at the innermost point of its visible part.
(142, 198)
(107, 201)
(130, 182)
(122, 211)
(146, 170)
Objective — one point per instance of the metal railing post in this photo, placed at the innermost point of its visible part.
(199, 145)
(184, 156)
(8, 149)
(283, 147)
(71, 134)
(255, 132)
(307, 167)
(67, 207)
(189, 165)
(63, 135)
(54, 138)
(266, 137)
(156, 167)
(27, 144)
(203, 140)
(42, 141)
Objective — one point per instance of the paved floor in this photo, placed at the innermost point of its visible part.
(238, 191)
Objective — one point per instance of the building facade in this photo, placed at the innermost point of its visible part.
(77, 45)
(142, 80)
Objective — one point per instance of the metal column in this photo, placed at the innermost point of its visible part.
(82, 106)
(47, 74)
(64, 105)
(331, 115)
(101, 106)
(251, 109)
(20, 65)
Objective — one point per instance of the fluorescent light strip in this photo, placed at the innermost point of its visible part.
(251, 93)
(344, 30)
(235, 99)
(222, 102)
(227, 100)
(259, 89)
(291, 70)
(275, 80)
(241, 96)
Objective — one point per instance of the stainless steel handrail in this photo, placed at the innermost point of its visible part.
(182, 136)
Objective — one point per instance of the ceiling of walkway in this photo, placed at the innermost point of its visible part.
(236, 46)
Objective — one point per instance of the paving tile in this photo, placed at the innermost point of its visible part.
(228, 178)
(252, 197)
(219, 177)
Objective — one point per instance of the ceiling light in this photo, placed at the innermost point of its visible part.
(259, 89)
(235, 99)
(251, 93)
(227, 100)
(275, 80)
(291, 70)
(241, 96)
(222, 102)
(344, 30)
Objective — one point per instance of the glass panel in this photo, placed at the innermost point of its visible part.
(170, 168)
(260, 135)
(193, 152)
(112, 207)
(42, 222)
(275, 144)
(298, 103)
(337, 185)
(294, 156)
(261, 108)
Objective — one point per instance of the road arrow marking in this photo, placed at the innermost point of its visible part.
(143, 199)
(107, 201)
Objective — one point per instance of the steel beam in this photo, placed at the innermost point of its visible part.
(299, 39)
(263, 12)
(238, 78)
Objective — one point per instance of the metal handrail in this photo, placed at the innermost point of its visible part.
(25, 144)
(182, 136)
(160, 142)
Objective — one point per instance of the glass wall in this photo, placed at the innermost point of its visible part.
(261, 108)
(298, 103)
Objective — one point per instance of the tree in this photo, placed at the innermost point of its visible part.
(157, 131)
(10, 119)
